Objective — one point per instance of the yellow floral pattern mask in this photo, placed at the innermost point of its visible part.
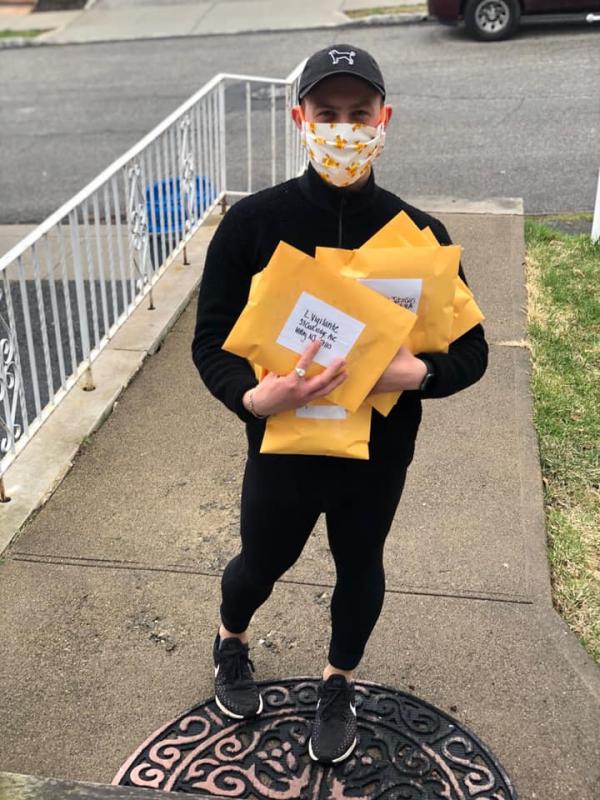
(342, 151)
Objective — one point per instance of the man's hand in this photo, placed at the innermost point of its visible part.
(276, 393)
(405, 371)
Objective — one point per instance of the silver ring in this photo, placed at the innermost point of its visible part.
(300, 372)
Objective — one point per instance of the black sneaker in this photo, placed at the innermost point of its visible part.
(236, 692)
(333, 736)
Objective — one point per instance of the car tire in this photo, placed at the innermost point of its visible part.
(492, 20)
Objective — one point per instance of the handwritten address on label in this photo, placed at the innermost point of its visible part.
(405, 292)
(313, 319)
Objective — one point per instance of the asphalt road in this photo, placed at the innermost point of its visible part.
(519, 118)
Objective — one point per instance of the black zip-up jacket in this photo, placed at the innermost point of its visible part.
(306, 212)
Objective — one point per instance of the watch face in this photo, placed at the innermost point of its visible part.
(428, 375)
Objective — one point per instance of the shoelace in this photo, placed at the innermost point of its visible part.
(333, 700)
(235, 667)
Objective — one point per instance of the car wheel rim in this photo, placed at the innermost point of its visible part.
(492, 16)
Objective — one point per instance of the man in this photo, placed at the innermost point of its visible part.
(343, 117)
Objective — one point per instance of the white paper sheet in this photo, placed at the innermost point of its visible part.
(405, 292)
(322, 412)
(313, 319)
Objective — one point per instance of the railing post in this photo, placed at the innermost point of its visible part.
(273, 135)
(187, 179)
(80, 291)
(222, 139)
(11, 375)
(249, 134)
(10, 382)
(596, 220)
(288, 132)
(137, 230)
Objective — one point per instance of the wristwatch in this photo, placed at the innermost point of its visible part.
(429, 375)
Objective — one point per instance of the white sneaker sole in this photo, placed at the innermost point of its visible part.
(239, 716)
(333, 760)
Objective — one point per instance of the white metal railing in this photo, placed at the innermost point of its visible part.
(67, 287)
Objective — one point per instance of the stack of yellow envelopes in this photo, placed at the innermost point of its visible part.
(400, 288)
(409, 266)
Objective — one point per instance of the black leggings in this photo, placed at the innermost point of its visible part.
(282, 497)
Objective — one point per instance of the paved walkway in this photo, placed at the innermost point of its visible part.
(108, 20)
(109, 596)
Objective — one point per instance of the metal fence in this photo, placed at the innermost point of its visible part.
(69, 285)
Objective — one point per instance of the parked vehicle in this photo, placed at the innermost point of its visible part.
(491, 20)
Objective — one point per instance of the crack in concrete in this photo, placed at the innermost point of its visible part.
(105, 563)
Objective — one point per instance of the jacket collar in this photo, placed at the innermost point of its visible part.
(331, 198)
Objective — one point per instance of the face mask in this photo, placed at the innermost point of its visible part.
(342, 151)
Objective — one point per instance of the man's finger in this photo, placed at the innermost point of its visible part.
(328, 387)
(308, 355)
(322, 384)
(324, 377)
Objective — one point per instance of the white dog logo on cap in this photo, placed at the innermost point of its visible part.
(336, 56)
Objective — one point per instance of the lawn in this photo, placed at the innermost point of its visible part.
(563, 278)
(27, 34)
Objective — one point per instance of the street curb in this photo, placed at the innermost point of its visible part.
(386, 19)
(376, 20)
(19, 41)
(40, 468)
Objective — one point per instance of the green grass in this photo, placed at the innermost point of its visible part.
(566, 215)
(22, 34)
(563, 277)
(416, 8)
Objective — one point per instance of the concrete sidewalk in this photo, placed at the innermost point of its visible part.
(109, 596)
(111, 21)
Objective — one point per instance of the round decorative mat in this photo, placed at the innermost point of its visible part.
(407, 750)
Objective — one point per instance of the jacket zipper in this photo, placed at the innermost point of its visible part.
(340, 217)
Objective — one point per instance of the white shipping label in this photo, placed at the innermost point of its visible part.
(321, 412)
(313, 319)
(405, 292)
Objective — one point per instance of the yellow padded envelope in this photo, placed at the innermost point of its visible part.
(334, 257)
(429, 236)
(297, 301)
(466, 313)
(400, 231)
(319, 429)
(421, 279)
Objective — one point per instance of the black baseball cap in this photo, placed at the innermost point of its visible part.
(340, 59)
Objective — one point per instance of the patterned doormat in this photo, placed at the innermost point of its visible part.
(407, 750)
